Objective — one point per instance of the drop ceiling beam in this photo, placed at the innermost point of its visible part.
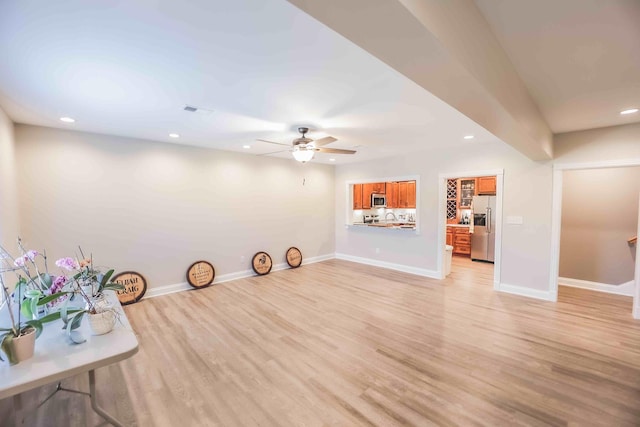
(447, 48)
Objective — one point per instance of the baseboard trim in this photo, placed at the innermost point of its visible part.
(526, 292)
(184, 286)
(623, 289)
(391, 266)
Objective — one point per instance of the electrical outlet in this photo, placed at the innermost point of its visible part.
(377, 250)
(242, 258)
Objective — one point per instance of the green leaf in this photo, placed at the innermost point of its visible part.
(37, 325)
(74, 337)
(2, 338)
(113, 287)
(32, 293)
(57, 315)
(51, 297)
(77, 320)
(26, 310)
(105, 278)
(46, 280)
(5, 345)
(64, 315)
(19, 290)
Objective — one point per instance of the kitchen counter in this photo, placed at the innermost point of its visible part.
(458, 225)
(387, 225)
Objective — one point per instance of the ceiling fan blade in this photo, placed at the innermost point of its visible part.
(335, 151)
(271, 142)
(324, 141)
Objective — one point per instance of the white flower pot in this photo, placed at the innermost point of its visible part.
(103, 322)
(23, 346)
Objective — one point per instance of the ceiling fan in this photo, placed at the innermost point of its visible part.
(303, 148)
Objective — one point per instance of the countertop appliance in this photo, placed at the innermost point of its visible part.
(378, 201)
(483, 239)
(371, 219)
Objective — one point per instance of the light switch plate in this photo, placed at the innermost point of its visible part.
(515, 220)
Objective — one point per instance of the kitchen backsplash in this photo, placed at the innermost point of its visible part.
(401, 214)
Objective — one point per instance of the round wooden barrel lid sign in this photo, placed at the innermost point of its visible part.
(134, 286)
(261, 263)
(294, 257)
(200, 274)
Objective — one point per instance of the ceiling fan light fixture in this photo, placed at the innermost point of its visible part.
(302, 155)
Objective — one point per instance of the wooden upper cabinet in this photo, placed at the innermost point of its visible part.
(367, 190)
(406, 194)
(392, 194)
(402, 194)
(357, 196)
(411, 194)
(378, 188)
(486, 185)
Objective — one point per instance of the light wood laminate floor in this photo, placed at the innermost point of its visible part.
(338, 343)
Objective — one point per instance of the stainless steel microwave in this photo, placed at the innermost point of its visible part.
(378, 201)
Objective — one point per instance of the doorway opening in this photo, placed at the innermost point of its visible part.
(470, 225)
(599, 219)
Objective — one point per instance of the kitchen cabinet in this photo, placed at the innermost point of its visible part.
(371, 188)
(392, 194)
(411, 194)
(486, 185)
(378, 188)
(406, 194)
(466, 193)
(460, 240)
(357, 196)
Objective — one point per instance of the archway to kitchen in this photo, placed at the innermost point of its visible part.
(595, 222)
(446, 218)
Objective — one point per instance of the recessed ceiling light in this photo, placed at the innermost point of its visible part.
(468, 137)
(174, 135)
(332, 160)
(67, 119)
(246, 147)
(629, 111)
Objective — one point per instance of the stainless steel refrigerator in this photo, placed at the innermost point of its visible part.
(483, 239)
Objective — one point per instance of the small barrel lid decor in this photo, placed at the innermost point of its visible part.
(261, 263)
(200, 274)
(294, 257)
(134, 284)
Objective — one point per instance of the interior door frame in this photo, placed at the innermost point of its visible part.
(556, 222)
(442, 218)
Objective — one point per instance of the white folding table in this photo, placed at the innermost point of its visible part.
(56, 358)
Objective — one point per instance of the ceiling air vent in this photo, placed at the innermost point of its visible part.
(198, 110)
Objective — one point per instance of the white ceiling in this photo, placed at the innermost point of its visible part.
(580, 59)
(128, 68)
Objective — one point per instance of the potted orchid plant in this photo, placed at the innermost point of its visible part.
(90, 283)
(17, 338)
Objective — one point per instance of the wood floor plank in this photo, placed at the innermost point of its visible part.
(340, 344)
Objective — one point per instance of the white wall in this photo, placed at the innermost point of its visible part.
(599, 214)
(156, 208)
(597, 145)
(527, 193)
(9, 213)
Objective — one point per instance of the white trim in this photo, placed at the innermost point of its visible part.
(442, 217)
(556, 221)
(635, 312)
(623, 289)
(391, 266)
(556, 228)
(184, 286)
(621, 163)
(526, 292)
(349, 195)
